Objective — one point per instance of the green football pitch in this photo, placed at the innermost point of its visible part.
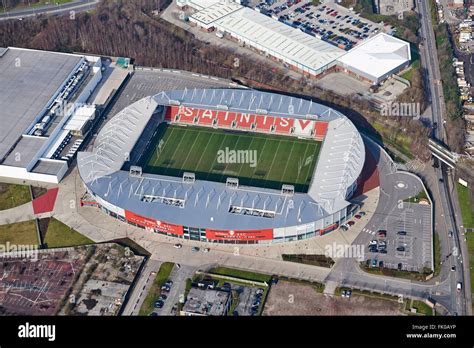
(214, 154)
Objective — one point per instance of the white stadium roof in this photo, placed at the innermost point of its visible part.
(377, 56)
(207, 203)
(279, 39)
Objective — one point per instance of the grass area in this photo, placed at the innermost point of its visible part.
(59, 235)
(318, 287)
(395, 273)
(315, 260)
(416, 199)
(408, 75)
(395, 137)
(23, 5)
(366, 293)
(421, 307)
(212, 155)
(155, 290)
(465, 203)
(12, 196)
(470, 249)
(246, 275)
(20, 233)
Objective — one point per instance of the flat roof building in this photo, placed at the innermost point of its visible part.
(280, 41)
(28, 81)
(34, 85)
(374, 59)
(377, 58)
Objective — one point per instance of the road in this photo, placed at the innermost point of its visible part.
(76, 6)
(460, 303)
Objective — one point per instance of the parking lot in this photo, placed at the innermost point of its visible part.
(248, 297)
(407, 241)
(329, 22)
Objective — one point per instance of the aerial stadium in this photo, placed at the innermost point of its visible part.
(226, 166)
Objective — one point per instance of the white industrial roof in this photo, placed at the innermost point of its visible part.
(80, 117)
(201, 4)
(280, 39)
(215, 12)
(378, 55)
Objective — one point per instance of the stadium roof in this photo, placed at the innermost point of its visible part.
(28, 81)
(206, 204)
(247, 101)
(378, 55)
(280, 39)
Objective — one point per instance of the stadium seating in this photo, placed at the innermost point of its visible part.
(320, 129)
(257, 123)
(283, 125)
(205, 117)
(304, 128)
(264, 123)
(244, 121)
(225, 118)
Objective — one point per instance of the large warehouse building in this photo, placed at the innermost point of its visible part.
(373, 60)
(35, 89)
(219, 205)
(377, 58)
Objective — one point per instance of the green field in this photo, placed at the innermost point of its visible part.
(470, 248)
(60, 235)
(20, 233)
(214, 154)
(12, 196)
(465, 203)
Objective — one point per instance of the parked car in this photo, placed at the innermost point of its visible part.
(159, 304)
(381, 264)
(351, 223)
(382, 233)
(401, 248)
(195, 249)
(374, 263)
(453, 268)
(178, 246)
(459, 287)
(205, 250)
(402, 233)
(358, 216)
(373, 242)
(163, 297)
